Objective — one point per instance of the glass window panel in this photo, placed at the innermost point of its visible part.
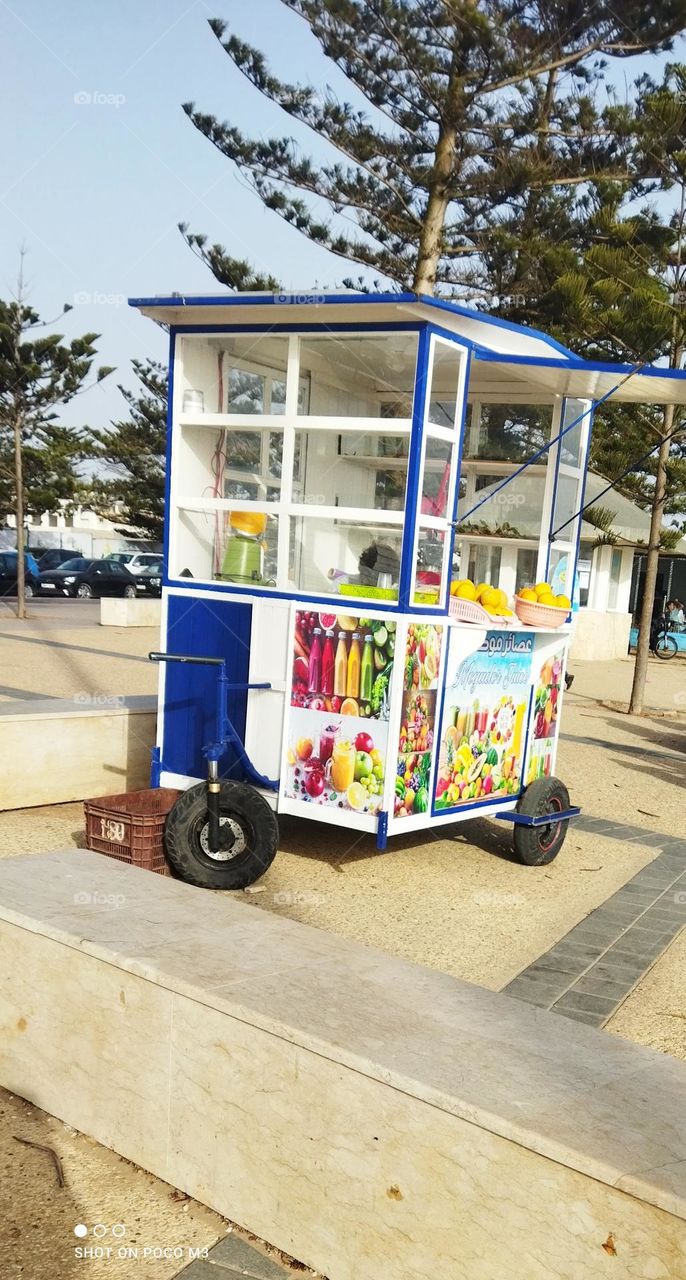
(277, 395)
(484, 563)
(245, 548)
(358, 375)
(432, 546)
(515, 511)
(246, 392)
(436, 477)
(509, 433)
(344, 557)
(243, 450)
(353, 470)
(445, 369)
(566, 505)
(527, 560)
(570, 444)
(615, 575)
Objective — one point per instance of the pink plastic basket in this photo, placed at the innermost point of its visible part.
(470, 611)
(539, 615)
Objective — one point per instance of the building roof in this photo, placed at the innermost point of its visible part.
(506, 354)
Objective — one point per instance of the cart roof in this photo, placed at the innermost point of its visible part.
(509, 358)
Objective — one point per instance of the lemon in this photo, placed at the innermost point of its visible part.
(466, 591)
(528, 593)
(483, 586)
(548, 599)
(563, 602)
(356, 796)
(490, 596)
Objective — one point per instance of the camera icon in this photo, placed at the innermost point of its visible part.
(82, 98)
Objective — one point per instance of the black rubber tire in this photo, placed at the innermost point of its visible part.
(666, 647)
(537, 846)
(186, 824)
(130, 592)
(83, 591)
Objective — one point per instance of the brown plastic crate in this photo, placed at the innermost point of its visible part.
(130, 827)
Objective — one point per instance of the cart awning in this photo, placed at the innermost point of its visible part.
(580, 379)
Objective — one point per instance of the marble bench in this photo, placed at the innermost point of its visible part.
(375, 1119)
(59, 749)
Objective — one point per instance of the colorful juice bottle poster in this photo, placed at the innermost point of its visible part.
(337, 732)
(545, 712)
(418, 719)
(484, 719)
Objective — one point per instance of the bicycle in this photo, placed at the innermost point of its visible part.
(662, 644)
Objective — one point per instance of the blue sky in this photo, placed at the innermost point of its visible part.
(94, 189)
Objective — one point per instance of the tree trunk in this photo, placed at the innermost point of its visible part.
(19, 517)
(431, 238)
(652, 561)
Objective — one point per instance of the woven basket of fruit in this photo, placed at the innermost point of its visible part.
(479, 604)
(539, 607)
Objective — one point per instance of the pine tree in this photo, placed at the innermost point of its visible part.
(38, 373)
(465, 111)
(133, 450)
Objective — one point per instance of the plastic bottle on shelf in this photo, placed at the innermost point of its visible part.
(352, 688)
(367, 669)
(314, 674)
(340, 671)
(328, 664)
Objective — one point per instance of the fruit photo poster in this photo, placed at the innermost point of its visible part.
(418, 719)
(337, 732)
(484, 719)
(547, 697)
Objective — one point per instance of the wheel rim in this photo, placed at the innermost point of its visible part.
(549, 833)
(84, 592)
(239, 830)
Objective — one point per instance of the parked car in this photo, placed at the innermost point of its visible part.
(8, 574)
(149, 580)
(54, 557)
(134, 561)
(88, 578)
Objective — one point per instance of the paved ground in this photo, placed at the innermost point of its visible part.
(453, 900)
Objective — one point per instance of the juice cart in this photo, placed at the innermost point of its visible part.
(372, 526)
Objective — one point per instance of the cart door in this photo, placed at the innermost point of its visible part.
(442, 425)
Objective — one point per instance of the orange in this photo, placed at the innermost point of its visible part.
(349, 707)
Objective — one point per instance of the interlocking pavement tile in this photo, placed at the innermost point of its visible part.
(580, 1002)
(598, 986)
(243, 1260)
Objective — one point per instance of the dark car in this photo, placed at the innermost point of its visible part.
(87, 578)
(55, 557)
(8, 574)
(149, 579)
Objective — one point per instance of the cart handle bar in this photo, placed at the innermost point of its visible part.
(182, 657)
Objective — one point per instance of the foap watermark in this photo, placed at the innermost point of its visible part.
(299, 898)
(83, 699)
(292, 299)
(680, 699)
(95, 98)
(99, 299)
(680, 898)
(85, 899)
(505, 499)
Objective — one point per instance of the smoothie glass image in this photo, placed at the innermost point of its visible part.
(341, 766)
(327, 741)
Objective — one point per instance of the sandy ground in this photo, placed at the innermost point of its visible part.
(655, 1013)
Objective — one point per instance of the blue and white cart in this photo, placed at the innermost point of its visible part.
(334, 463)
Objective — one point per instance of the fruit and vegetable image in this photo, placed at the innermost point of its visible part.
(546, 709)
(483, 721)
(418, 716)
(342, 663)
(331, 764)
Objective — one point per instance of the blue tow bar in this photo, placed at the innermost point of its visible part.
(541, 819)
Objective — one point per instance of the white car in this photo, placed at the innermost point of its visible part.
(134, 561)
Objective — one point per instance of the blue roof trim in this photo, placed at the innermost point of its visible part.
(327, 299)
(583, 366)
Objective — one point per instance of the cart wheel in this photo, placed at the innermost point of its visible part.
(536, 846)
(249, 832)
